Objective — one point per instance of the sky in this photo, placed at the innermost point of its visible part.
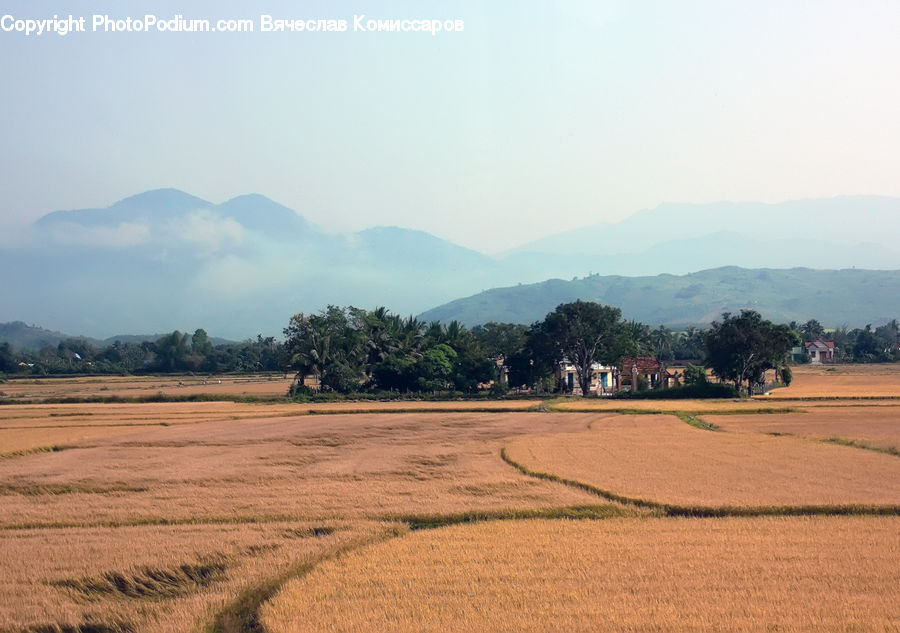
(538, 117)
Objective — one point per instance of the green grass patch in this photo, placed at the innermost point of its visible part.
(696, 421)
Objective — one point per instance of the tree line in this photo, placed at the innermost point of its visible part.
(348, 349)
(177, 352)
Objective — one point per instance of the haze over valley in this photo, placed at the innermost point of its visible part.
(166, 259)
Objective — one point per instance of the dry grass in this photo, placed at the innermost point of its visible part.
(663, 460)
(876, 427)
(161, 578)
(761, 574)
(843, 381)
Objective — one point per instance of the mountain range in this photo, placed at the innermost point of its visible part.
(850, 297)
(165, 259)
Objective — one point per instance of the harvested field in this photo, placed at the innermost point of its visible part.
(875, 427)
(759, 574)
(160, 578)
(843, 381)
(661, 459)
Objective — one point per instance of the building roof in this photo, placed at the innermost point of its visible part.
(644, 364)
(820, 344)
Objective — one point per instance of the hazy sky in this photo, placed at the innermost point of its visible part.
(538, 117)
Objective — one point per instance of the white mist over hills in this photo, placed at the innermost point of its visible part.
(165, 259)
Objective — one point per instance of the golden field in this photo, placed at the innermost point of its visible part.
(731, 574)
(660, 459)
(142, 386)
(877, 427)
(204, 516)
(843, 381)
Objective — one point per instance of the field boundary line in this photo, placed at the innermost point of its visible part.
(242, 614)
(863, 445)
(433, 521)
(164, 522)
(675, 510)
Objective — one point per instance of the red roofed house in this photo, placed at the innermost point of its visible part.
(631, 369)
(820, 351)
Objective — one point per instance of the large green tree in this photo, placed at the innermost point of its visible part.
(740, 348)
(325, 342)
(583, 332)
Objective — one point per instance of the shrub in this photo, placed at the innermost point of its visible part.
(786, 376)
(697, 390)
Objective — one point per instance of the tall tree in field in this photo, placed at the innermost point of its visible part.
(584, 333)
(740, 348)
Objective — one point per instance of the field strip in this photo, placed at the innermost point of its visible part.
(163, 521)
(55, 448)
(701, 511)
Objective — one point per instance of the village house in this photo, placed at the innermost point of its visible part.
(820, 351)
(631, 370)
(602, 378)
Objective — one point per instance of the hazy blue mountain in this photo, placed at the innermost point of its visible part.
(834, 297)
(29, 337)
(165, 259)
(22, 336)
(843, 220)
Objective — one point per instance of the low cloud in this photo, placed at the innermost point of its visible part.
(121, 236)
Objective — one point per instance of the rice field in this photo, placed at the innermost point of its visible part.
(207, 516)
(154, 578)
(731, 574)
(662, 460)
(138, 386)
(874, 427)
(843, 381)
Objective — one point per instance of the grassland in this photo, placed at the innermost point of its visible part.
(193, 516)
(732, 574)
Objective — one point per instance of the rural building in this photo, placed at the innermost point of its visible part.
(631, 370)
(603, 378)
(820, 351)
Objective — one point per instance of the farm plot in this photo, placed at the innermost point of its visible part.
(874, 427)
(730, 574)
(139, 386)
(308, 467)
(153, 578)
(843, 381)
(662, 460)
